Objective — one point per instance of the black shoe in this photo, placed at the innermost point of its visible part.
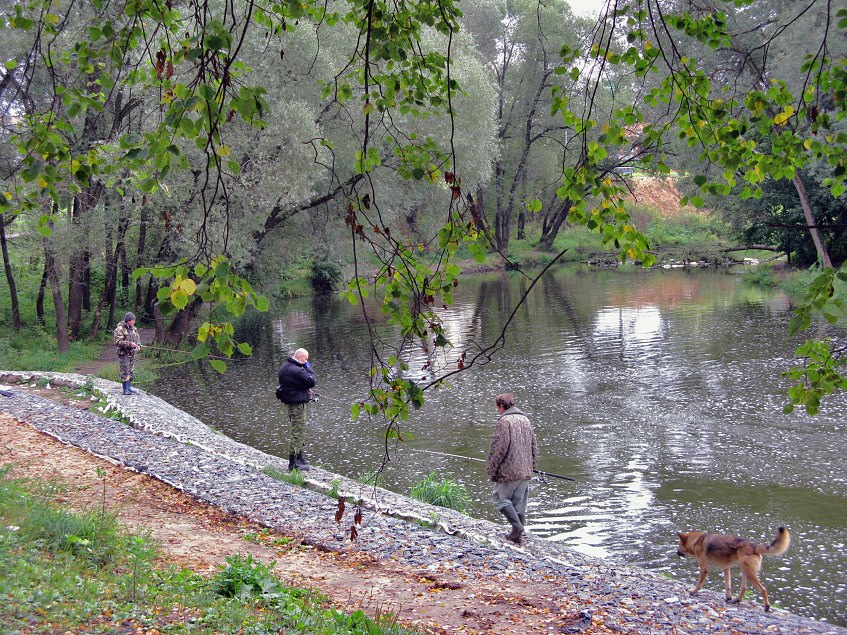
(301, 463)
(292, 463)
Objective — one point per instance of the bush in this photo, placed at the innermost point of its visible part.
(444, 493)
(761, 276)
(325, 277)
(244, 577)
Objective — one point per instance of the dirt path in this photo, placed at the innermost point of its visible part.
(200, 537)
(109, 356)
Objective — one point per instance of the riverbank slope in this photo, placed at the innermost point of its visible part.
(204, 497)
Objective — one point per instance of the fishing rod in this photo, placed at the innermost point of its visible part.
(184, 352)
(318, 395)
(470, 458)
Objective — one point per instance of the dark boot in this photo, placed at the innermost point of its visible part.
(292, 462)
(522, 518)
(517, 526)
(128, 388)
(301, 463)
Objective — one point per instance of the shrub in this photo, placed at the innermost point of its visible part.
(761, 276)
(325, 276)
(244, 577)
(444, 493)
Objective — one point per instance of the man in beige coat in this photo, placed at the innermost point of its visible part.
(511, 460)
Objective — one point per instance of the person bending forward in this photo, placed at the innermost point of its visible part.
(511, 460)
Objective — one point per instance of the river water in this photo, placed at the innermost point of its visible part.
(659, 391)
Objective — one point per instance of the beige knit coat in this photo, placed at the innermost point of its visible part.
(514, 448)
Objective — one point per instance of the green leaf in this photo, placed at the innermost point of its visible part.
(218, 365)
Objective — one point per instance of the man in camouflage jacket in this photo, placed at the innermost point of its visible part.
(128, 342)
(511, 461)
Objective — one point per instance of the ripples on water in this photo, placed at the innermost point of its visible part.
(660, 392)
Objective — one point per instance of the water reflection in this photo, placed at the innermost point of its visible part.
(660, 392)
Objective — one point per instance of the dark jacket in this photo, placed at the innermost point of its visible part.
(295, 380)
(513, 450)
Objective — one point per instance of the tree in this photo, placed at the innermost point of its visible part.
(753, 126)
(387, 78)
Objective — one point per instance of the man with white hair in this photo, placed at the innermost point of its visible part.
(296, 380)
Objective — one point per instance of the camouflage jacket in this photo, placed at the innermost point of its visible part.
(513, 450)
(125, 337)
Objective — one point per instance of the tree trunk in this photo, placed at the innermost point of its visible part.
(823, 254)
(149, 303)
(39, 302)
(551, 229)
(86, 282)
(139, 261)
(10, 277)
(62, 339)
(79, 260)
(110, 283)
(180, 325)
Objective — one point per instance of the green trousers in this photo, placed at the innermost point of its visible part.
(296, 426)
(127, 364)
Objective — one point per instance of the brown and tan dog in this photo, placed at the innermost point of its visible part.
(716, 551)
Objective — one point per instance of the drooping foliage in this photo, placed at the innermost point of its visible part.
(215, 123)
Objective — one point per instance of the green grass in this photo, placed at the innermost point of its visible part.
(82, 573)
(796, 284)
(32, 348)
(443, 493)
(294, 477)
(761, 276)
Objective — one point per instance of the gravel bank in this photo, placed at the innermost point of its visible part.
(178, 449)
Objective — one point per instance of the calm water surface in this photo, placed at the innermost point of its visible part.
(659, 391)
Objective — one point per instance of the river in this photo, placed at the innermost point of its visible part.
(659, 391)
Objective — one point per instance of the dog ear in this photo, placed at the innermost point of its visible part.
(682, 536)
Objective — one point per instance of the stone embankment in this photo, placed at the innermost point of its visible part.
(178, 449)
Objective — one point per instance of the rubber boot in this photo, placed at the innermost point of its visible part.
(301, 463)
(292, 462)
(128, 388)
(517, 526)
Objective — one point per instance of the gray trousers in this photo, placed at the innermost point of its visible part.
(296, 426)
(514, 494)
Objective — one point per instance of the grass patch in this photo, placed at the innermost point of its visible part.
(443, 493)
(796, 284)
(82, 573)
(374, 478)
(32, 348)
(761, 276)
(294, 477)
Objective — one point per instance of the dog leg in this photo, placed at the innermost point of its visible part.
(743, 588)
(727, 583)
(750, 571)
(703, 574)
(761, 587)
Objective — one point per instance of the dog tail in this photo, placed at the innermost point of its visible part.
(778, 546)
